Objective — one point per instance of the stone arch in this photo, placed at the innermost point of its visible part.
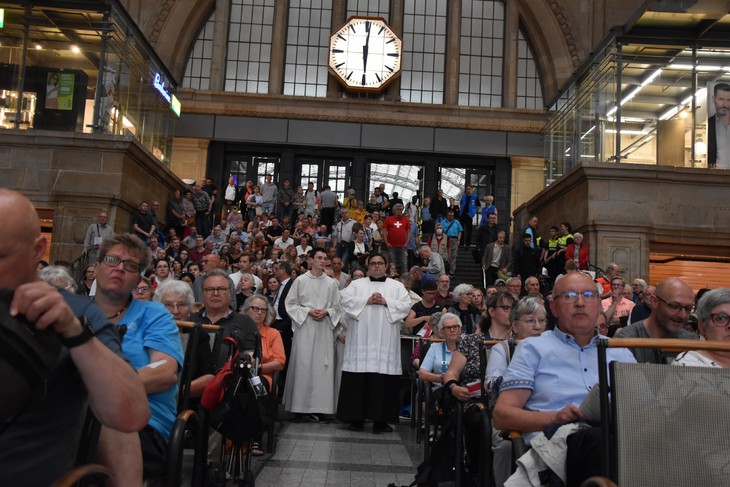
(554, 47)
(175, 28)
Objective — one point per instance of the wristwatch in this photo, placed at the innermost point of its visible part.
(86, 334)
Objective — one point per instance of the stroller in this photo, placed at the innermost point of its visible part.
(236, 402)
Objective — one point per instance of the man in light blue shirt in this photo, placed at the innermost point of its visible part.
(550, 375)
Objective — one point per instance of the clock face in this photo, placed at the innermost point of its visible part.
(365, 54)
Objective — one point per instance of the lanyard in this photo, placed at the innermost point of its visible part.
(444, 363)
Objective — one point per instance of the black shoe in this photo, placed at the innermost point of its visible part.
(382, 428)
(356, 426)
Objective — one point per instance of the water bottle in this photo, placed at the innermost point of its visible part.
(257, 386)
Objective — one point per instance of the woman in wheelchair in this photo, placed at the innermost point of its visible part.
(436, 362)
(257, 307)
(527, 319)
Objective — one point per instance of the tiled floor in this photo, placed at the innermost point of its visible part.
(329, 455)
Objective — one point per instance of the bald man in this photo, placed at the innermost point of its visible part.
(671, 306)
(38, 445)
(550, 375)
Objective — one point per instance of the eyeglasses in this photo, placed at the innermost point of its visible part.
(214, 290)
(162, 266)
(171, 305)
(377, 262)
(452, 327)
(256, 309)
(572, 296)
(141, 289)
(540, 321)
(113, 261)
(676, 307)
(720, 319)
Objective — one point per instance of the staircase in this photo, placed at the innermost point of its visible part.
(466, 270)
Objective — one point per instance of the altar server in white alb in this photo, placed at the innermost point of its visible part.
(313, 304)
(371, 368)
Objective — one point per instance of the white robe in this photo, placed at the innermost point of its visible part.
(373, 334)
(310, 379)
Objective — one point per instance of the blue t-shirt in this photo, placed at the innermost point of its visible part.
(151, 326)
(437, 359)
(557, 370)
(452, 228)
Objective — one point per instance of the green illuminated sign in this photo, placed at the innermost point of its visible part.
(2, 18)
(175, 105)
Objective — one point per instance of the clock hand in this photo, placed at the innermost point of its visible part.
(365, 48)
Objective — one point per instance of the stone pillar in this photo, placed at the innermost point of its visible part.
(509, 66)
(339, 11)
(220, 45)
(395, 20)
(278, 47)
(453, 50)
(189, 156)
(528, 179)
(670, 142)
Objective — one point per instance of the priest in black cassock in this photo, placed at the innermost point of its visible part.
(375, 306)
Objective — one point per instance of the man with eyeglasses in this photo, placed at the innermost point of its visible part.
(617, 307)
(550, 375)
(371, 368)
(209, 263)
(313, 305)
(672, 304)
(151, 344)
(217, 310)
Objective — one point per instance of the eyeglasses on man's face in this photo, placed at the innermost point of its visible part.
(114, 261)
(572, 296)
(215, 290)
(676, 307)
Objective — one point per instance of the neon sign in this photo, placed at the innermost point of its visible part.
(159, 84)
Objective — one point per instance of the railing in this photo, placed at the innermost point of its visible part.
(78, 266)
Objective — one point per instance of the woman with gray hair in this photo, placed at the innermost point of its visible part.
(273, 357)
(469, 314)
(437, 359)
(527, 319)
(177, 297)
(713, 319)
(59, 277)
(578, 252)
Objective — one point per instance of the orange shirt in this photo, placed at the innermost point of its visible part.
(272, 348)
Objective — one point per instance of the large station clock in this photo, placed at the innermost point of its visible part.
(365, 54)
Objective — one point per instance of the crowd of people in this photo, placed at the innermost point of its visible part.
(328, 291)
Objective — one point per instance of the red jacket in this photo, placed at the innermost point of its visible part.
(583, 255)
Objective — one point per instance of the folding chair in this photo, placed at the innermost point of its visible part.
(187, 416)
(654, 408)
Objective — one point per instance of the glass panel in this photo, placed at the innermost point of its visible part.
(197, 69)
(481, 53)
(423, 49)
(308, 36)
(529, 88)
(249, 45)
